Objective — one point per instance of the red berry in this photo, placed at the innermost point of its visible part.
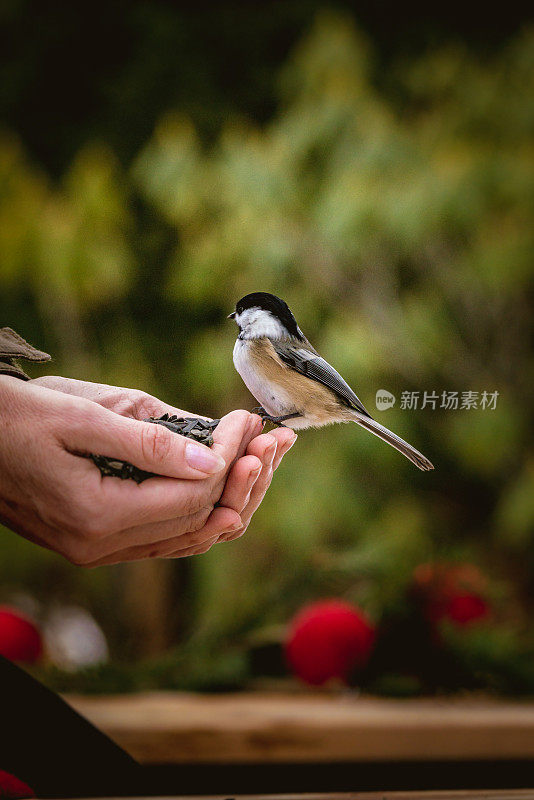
(20, 639)
(328, 639)
(13, 788)
(453, 592)
(466, 608)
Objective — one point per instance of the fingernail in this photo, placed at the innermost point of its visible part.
(253, 477)
(286, 449)
(228, 532)
(255, 424)
(199, 457)
(292, 442)
(269, 454)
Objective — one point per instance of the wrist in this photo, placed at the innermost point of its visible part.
(13, 408)
(11, 388)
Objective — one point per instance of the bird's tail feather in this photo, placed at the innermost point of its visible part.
(395, 441)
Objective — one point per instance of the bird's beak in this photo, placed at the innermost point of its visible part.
(231, 316)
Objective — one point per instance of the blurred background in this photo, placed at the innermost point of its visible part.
(373, 164)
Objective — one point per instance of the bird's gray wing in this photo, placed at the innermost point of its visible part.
(310, 364)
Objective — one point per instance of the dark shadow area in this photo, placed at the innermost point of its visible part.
(307, 778)
(73, 73)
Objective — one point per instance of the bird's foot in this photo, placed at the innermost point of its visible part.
(278, 421)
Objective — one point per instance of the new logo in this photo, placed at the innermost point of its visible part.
(384, 400)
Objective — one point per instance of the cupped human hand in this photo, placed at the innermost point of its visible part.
(55, 497)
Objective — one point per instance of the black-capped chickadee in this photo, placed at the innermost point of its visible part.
(289, 378)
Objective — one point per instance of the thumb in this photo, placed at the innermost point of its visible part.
(148, 446)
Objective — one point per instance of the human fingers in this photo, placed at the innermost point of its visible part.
(90, 428)
(237, 491)
(221, 521)
(108, 505)
(158, 499)
(191, 530)
(178, 546)
(234, 433)
(128, 402)
(285, 439)
(85, 551)
(265, 448)
(284, 442)
(239, 483)
(141, 405)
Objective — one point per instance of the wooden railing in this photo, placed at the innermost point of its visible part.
(178, 728)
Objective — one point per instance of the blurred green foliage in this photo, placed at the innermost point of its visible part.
(400, 233)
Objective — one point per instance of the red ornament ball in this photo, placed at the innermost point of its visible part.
(20, 639)
(328, 639)
(13, 788)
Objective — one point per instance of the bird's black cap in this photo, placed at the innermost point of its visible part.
(272, 303)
